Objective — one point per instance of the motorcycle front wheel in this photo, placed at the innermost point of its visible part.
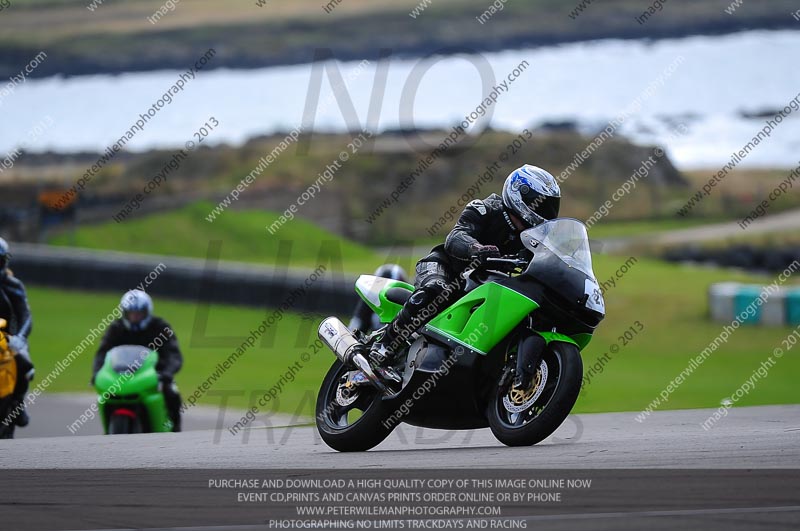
(524, 417)
(7, 424)
(350, 419)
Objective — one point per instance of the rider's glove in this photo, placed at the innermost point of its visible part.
(18, 344)
(481, 253)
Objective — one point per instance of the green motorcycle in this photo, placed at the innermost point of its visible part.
(130, 398)
(505, 355)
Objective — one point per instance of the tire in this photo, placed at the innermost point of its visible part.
(556, 401)
(6, 432)
(365, 432)
(123, 424)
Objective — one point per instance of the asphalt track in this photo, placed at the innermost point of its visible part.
(664, 473)
(754, 437)
(53, 413)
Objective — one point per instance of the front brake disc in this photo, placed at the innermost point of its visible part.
(519, 400)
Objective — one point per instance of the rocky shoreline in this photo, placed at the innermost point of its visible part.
(248, 46)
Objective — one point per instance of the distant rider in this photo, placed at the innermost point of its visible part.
(15, 310)
(138, 326)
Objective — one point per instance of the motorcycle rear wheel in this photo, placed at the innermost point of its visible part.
(7, 424)
(341, 427)
(7, 432)
(123, 424)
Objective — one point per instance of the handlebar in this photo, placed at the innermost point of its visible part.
(511, 260)
(505, 263)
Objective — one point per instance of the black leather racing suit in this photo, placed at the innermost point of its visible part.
(438, 282)
(170, 359)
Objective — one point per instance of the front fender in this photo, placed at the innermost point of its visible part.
(549, 337)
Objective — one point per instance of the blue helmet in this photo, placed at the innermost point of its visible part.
(532, 194)
(137, 309)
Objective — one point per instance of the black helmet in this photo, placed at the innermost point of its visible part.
(532, 194)
(5, 254)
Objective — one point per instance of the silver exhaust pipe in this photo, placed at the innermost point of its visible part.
(340, 340)
(348, 349)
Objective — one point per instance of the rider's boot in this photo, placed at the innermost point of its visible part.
(383, 353)
(22, 419)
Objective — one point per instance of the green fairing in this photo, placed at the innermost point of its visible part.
(387, 310)
(483, 317)
(499, 308)
(582, 340)
(143, 384)
(555, 336)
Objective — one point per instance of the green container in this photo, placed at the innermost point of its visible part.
(793, 306)
(744, 298)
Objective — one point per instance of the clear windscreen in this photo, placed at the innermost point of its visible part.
(566, 238)
(127, 358)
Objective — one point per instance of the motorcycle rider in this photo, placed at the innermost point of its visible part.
(487, 228)
(364, 319)
(138, 326)
(15, 310)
